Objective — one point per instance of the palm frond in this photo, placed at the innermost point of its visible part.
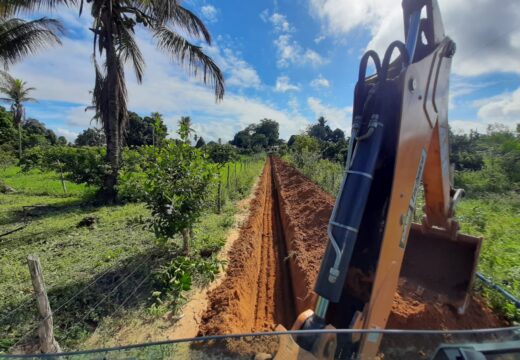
(191, 56)
(19, 38)
(11, 7)
(129, 50)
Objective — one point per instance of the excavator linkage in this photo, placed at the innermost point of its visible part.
(398, 145)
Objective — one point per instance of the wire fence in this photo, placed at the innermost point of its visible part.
(135, 265)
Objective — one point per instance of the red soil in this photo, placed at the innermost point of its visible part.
(256, 294)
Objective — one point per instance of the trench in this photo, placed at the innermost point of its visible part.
(274, 263)
(274, 301)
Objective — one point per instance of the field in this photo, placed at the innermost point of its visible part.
(99, 262)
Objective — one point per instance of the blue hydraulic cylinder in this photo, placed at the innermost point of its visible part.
(348, 212)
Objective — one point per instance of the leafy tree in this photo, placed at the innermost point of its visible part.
(200, 143)
(61, 141)
(16, 92)
(8, 132)
(321, 130)
(242, 139)
(257, 137)
(220, 153)
(114, 27)
(91, 137)
(176, 189)
(185, 130)
(149, 130)
(159, 129)
(306, 142)
(270, 129)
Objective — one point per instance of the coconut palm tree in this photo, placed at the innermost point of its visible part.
(185, 129)
(114, 25)
(16, 93)
(19, 38)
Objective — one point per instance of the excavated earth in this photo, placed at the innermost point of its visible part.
(274, 263)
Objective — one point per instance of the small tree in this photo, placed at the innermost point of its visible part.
(200, 142)
(177, 186)
(91, 137)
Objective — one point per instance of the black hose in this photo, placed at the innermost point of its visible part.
(501, 290)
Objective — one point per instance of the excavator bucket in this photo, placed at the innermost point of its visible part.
(434, 261)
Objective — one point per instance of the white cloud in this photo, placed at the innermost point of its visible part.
(320, 82)
(336, 117)
(240, 73)
(503, 109)
(319, 39)
(283, 84)
(69, 135)
(492, 44)
(289, 51)
(209, 13)
(279, 21)
(465, 126)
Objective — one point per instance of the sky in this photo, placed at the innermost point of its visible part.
(288, 60)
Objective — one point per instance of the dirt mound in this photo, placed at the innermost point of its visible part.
(417, 308)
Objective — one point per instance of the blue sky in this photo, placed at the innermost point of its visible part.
(288, 60)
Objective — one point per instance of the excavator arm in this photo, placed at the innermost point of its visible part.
(398, 145)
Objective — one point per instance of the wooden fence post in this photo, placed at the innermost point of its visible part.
(62, 178)
(219, 196)
(236, 181)
(48, 343)
(228, 171)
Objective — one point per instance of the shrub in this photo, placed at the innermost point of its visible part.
(178, 276)
(176, 189)
(132, 174)
(84, 165)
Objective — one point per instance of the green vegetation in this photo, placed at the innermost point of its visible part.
(491, 208)
(256, 138)
(101, 263)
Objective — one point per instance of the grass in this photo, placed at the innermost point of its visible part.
(113, 257)
(495, 217)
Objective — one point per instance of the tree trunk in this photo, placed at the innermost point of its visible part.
(111, 98)
(20, 140)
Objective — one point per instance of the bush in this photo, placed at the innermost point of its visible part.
(176, 188)
(132, 174)
(173, 279)
(7, 158)
(85, 165)
(491, 179)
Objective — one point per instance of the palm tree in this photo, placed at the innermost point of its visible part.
(19, 38)
(17, 93)
(185, 129)
(114, 27)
